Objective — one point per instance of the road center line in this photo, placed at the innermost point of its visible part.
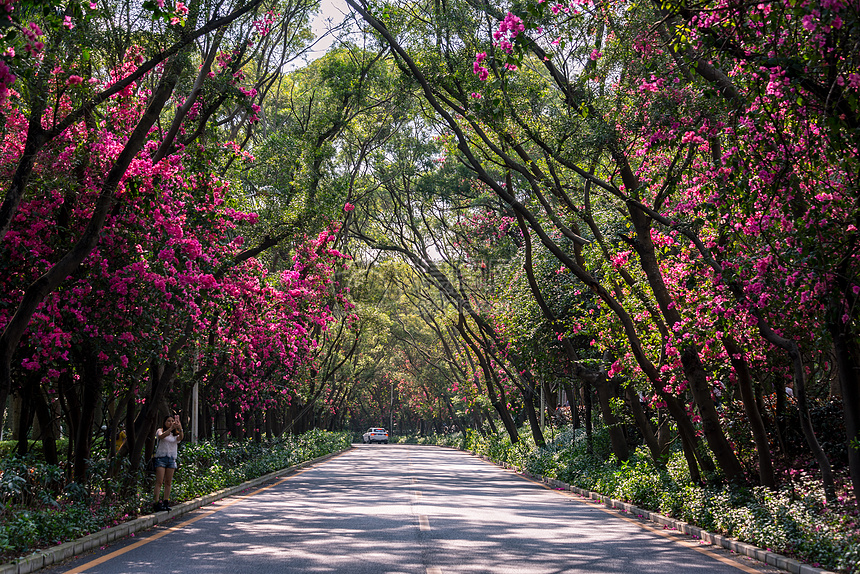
(423, 522)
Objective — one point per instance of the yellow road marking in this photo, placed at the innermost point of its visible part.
(157, 535)
(674, 537)
(434, 570)
(423, 522)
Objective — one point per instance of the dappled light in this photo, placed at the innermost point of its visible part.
(613, 243)
(346, 515)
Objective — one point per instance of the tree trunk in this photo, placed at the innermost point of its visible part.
(739, 363)
(847, 354)
(644, 425)
(258, 424)
(799, 378)
(500, 405)
(694, 370)
(534, 422)
(48, 426)
(24, 421)
(664, 435)
(701, 390)
(91, 383)
(71, 405)
(571, 403)
(551, 399)
(161, 376)
(616, 432)
(589, 423)
(490, 423)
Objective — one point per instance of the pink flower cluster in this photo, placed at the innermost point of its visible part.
(478, 67)
(170, 255)
(508, 30)
(7, 78)
(179, 12)
(263, 26)
(32, 34)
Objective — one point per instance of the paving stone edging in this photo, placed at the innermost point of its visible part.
(771, 558)
(50, 556)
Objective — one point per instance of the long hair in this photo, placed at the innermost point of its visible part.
(174, 432)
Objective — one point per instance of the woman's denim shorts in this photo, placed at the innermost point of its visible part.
(165, 462)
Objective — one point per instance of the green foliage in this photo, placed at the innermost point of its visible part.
(781, 521)
(37, 510)
(8, 447)
(26, 481)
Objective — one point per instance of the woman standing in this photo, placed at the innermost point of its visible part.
(168, 437)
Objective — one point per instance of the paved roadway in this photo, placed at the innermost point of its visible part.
(407, 509)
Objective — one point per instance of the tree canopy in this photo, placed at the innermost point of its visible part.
(639, 216)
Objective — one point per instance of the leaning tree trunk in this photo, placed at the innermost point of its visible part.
(501, 407)
(847, 354)
(589, 423)
(39, 290)
(644, 425)
(500, 403)
(48, 426)
(570, 393)
(694, 370)
(739, 363)
(799, 379)
(528, 394)
(464, 145)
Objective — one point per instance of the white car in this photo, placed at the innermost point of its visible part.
(375, 435)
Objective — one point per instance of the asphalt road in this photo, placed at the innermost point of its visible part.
(407, 509)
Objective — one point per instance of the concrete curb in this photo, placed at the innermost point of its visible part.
(771, 558)
(50, 556)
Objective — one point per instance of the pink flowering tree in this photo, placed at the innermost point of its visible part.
(171, 268)
(695, 293)
(53, 69)
(114, 236)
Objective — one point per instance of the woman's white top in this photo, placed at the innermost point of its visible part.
(167, 446)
